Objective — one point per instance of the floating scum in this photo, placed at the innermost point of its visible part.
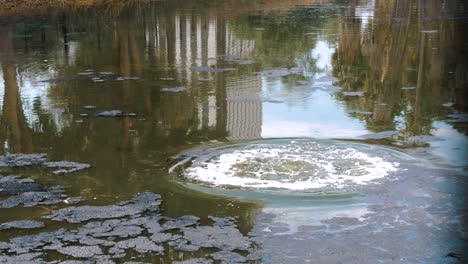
(292, 164)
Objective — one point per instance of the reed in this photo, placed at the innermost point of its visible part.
(32, 7)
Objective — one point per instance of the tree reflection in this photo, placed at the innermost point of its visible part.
(405, 44)
(15, 134)
(401, 47)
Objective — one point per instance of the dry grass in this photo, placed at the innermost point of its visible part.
(32, 7)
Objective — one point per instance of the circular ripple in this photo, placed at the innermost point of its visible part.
(293, 165)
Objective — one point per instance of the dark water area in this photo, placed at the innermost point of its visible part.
(197, 74)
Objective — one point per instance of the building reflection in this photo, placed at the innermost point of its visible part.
(244, 108)
(219, 103)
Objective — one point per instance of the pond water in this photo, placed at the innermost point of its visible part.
(307, 120)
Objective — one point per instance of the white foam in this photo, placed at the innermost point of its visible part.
(301, 165)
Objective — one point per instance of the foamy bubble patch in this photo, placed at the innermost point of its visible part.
(293, 165)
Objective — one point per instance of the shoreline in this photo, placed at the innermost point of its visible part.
(38, 7)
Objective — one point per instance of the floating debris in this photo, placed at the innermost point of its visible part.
(140, 245)
(214, 70)
(223, 221)
(429, 31)
(30, 199)
(242, 62)
(134, 225)
(330, 88)
(236, 59)
(141, 202)
(326, 79)
(12, 185)
(167, 79)
(106, 73)
(360, 112)
(454, 255)
(86, 73)
(22, 224)
(56, 111)
(353, 93)
(66, 166)
(408, 88)
(27, 193)
(177, 89)
(97, 79)
(184, 221)
(80, 251)
(420, 140)
(205, 79)
(127, 78)
(281, 72)
(324, 83)
(216, 237)
(22, 160)
(88, 107)
(272, 101)
(110, 113)
(448, 104)
(72, 200)
(458, 118)
(380, 135)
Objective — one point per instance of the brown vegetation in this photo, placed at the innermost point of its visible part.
(32, 7)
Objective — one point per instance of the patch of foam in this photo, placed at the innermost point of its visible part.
(295, 165)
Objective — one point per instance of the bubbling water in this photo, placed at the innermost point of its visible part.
(293, 165)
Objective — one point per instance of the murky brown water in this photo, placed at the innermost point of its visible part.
(402, 66)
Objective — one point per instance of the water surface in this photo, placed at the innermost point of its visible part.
(199, 74)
